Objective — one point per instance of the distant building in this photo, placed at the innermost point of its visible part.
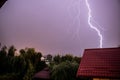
(100, 64)
(44, 58)
(42, 75)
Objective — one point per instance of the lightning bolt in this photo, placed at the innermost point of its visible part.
(75, 6)
(92, 26)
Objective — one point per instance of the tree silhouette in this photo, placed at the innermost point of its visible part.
(11, 51)
(57, 59)
(64, 71)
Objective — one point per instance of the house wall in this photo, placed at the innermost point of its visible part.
(104, 79)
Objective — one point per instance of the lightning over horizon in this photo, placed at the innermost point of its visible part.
(92, 23)
(60, 26)
(92, 26)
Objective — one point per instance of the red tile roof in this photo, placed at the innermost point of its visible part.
(44, 74)
(103, 62)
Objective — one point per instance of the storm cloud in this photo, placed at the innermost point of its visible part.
(59, 26)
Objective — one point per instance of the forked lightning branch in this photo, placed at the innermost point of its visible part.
(92, 26)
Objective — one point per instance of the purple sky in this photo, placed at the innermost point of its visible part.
(59, 26)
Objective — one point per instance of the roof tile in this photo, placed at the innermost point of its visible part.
(103, 62)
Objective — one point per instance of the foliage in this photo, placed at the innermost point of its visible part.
(64, 71)
(11, 51)
(49, 57)
(22, 66)
(28, 62)
(57, 59)
(67, 57)
(77, 59)
(64, 67)
(30, 72)
(10, 76)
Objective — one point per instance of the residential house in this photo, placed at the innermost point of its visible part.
(100, 64)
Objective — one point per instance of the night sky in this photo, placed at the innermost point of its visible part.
(59, 26)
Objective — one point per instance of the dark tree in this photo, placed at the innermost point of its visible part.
(57, 59)
(11, 51)
(49, 57)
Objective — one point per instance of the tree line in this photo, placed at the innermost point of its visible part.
(20, 67)
(28, 62)
(64, 67)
